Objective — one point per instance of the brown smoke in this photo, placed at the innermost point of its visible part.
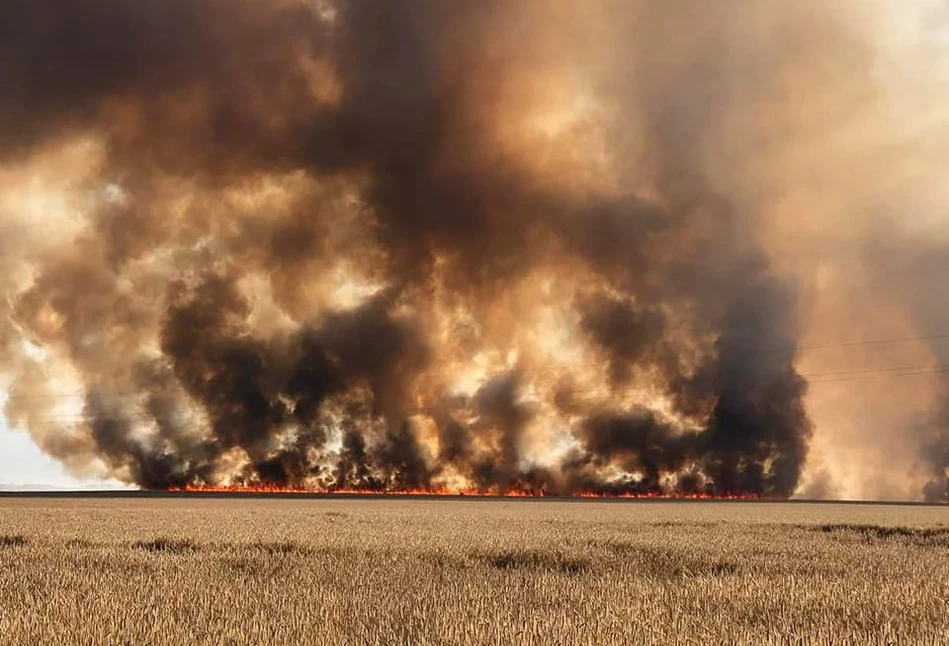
(436, 245)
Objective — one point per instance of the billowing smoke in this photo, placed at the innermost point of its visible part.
(462, 246)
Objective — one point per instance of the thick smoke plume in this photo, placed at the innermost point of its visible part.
(460, 246)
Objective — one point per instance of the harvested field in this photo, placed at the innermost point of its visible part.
(280, 571)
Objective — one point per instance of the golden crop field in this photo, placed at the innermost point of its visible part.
(91, 571)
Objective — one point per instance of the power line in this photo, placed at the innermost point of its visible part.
(184, 415)
(847, 344)
(818, 377)
(813, 378)
(928, 373)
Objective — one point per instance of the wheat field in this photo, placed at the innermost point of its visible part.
(92, 571)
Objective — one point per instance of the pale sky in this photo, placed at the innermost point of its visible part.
(23, 464)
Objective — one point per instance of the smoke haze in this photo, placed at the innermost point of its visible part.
(605, 247)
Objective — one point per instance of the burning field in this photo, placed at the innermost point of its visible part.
(572, 248)
(358, 571)
(403, 262)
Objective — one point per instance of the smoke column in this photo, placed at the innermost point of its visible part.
(473, 245)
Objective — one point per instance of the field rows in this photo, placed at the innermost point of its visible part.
(90, 571)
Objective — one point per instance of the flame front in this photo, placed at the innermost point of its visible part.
(252, 488)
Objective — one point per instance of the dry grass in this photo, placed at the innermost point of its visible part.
(213, 572)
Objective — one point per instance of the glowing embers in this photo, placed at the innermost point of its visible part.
(265, 488)
(673, 495)
(262, 487)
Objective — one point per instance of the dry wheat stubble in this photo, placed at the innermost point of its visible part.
(96, 571)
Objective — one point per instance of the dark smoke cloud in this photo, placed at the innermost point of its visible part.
(624, 332)
(310, 221)
(759, 414)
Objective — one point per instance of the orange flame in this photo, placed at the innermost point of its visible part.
(249, 488)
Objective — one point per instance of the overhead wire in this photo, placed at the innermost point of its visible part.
(814, 378)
